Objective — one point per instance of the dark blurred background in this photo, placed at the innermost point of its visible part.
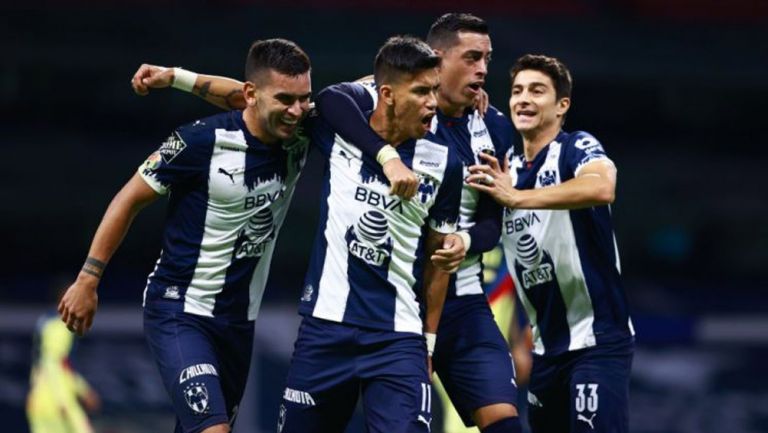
(675, 90)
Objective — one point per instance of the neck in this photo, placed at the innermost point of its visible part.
(449, 108)
(256, 128)
(534, 141)
(383, 122)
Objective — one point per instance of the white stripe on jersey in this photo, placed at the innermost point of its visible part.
(552, 232)
(404, 220)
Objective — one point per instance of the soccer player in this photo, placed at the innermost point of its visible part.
(561, 252)
(362, 331)
(230, 179)
(58, 394)
(471, 356)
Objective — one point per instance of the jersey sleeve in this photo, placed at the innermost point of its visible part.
(583, 149)
(343, 106)
(181, 159)
(444, 214)
(486, 231)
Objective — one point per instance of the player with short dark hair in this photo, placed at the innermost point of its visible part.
(561, 252)
(231, 176)
(471, 356)
(362, 327)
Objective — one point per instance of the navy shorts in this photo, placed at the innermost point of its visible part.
(582, 391)
(203, 362)
(333, 364)
(472, 358)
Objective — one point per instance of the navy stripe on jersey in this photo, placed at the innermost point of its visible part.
(230, 194)
(565, 262)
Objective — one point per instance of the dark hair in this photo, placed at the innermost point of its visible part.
(550, 66)
(444, 31)
(280, 55)
(402, 55)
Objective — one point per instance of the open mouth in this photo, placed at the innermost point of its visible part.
(426, 121)
(526, 113)
(476, 86)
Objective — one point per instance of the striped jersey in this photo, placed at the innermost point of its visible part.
(368, 249)
(228, 196)
(471, 135)
(565, 263)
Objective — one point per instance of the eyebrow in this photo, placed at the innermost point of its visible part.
(292, 95)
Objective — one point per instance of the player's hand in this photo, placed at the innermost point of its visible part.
(481, 102)
(451, 255)
(494, 180)
(404, 183)
(78, 305)
(151, 77)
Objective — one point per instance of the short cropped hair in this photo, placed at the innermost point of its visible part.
(550, 66)
(444, 32)
(281, 55)
(402, 55)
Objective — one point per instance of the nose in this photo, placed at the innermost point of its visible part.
(296, 109)
(432, 100)
(482, 68)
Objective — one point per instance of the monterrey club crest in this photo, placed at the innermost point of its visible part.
(196, 395)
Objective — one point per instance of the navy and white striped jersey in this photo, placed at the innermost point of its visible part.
(471, 135)
(369, 245)
(565, 263)
(468, 135)
(228, 196)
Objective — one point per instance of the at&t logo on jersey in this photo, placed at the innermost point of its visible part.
(533, 266)
(368, 240)
(253, 239)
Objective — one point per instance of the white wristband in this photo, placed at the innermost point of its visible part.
(183, 79)
(431, 338)
(386, 153)
(465, 238)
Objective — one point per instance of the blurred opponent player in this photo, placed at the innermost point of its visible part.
(230, 179)
(471, 356)
(58, 393)
(561, 251)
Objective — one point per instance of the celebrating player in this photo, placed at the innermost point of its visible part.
(561, 252)
(471, 356)
(231, 177)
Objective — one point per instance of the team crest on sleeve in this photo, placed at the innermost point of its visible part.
(196, 395)
(172, 147)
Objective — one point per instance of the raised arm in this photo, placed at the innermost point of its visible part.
(79, 303)
(342, 106)
(223, 92)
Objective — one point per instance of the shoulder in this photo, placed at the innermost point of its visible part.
(203, 131)
(495, 119)
(581, 140)
(433, 154)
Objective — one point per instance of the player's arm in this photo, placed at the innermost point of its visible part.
(223, 92)
(79, 303)
(342, 106)
(594, 185)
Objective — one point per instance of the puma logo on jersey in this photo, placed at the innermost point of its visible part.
(581, 417)
(228, 174)
(300, 397)
(348, 158)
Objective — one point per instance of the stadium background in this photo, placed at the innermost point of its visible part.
(675, 90)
